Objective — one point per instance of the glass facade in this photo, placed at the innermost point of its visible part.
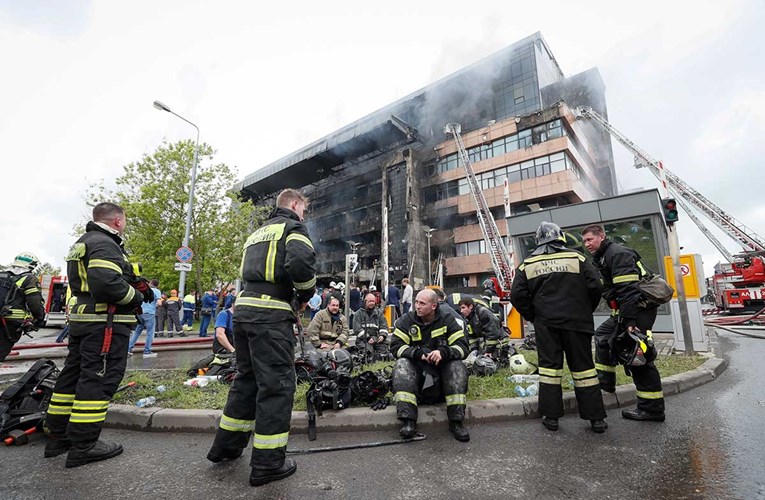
(517, 91)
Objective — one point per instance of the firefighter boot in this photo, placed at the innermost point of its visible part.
(259, 477)
(550, 423)
(98, 451)
(409, 429)
(216, 456)
(598, 425)
(460, 432)
(56, 445)
(638, 414)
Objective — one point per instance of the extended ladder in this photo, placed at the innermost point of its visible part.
(734, 228)
(501, 259)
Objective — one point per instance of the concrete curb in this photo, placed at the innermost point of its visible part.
(363, 419)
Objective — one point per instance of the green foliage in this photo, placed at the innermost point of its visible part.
(154, 193)
(47, 268)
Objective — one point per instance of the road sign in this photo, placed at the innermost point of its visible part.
(685, 269)
(184, 254)
(182, 266)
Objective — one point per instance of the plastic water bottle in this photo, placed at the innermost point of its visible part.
(143, 402)
(532, 390)
(161, 388)
(524, 379)
(520, 391)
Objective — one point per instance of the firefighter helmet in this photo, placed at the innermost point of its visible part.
(484, 366)
(519, 365)
(26, 260)
(635, 348)
(547, 232)
(368, 386)
(340, 359)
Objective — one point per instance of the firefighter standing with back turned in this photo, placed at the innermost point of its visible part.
(621, 270)
(278, 263)
(101, 320)
(25, 310)
(558, 290)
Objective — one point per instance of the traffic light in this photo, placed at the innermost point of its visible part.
(669, 207)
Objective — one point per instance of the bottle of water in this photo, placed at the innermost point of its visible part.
(532, 390)
(161, 388)
(143, 402)
(520, 391)
(524, 379)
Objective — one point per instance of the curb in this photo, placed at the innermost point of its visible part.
(363, 419)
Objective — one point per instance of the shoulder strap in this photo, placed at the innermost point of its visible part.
(11, 391)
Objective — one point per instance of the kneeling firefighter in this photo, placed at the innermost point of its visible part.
(558, 290)
(429, 346)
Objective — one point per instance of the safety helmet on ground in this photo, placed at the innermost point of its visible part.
(368, 386)
(484, 366)
(26, 260)
(519, 365)
(340, 358)
(635, 348)
(547, 232)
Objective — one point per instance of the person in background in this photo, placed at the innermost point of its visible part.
(228, 301)
(315, 303)
(407, 297)
(147, 320)
(394, 299)
(209, 301)
(329, 329)
(189, 305)
(355, 302)
(223, 343)
(161, 316)
(173, 308)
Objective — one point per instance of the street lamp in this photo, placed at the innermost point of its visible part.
(429, 234)
(182, 282)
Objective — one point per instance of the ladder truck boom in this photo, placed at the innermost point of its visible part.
(729, 224)
(501, 259)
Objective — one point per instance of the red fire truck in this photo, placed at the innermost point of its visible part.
(53, 290)
(739, 286)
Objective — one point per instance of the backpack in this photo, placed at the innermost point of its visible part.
(656, 289)
(24, 404)
(8, 291)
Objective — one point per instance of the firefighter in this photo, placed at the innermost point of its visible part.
(558, 290)
(25, 311)
(491, 297)
(485, 333)
(100, 322)
(429, 346)
(371, 329)
(278, 263)
(620, 269)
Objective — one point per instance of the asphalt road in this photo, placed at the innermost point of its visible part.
(711, 446)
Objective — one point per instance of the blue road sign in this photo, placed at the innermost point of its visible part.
(184, 254)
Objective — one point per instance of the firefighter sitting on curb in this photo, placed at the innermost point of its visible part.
(25, 311)
(329, 329)
(429, 346)
(558, 290)
(485, 333)
(370, 328)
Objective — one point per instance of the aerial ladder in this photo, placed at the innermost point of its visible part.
(501, 259)
(738, 231)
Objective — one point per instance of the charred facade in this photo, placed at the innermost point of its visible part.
(514, 108)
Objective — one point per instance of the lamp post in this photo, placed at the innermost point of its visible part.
(182, 280)
(429, 234)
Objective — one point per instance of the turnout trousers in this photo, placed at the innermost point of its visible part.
(9, 335)
(647, 379)
(552, 343)
(261, 396)
(81, 396)
(409, 387)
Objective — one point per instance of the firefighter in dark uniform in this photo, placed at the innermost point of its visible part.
(25, 310)
(371, 329)
(620, 269)
(278, 264)
(485, 333)
(100, 320)
(429, 346)
(558, 290)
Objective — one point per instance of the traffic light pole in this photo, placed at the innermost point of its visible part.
(685, 321)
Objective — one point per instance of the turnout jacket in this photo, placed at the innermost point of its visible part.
(99, 275)
(483, 323)
(323, 329)
(621, 271)
(28, 301)
(370, 323)
(278, 262)
(412, 338)
(560, 289)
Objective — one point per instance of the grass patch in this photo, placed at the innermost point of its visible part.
(214, 395)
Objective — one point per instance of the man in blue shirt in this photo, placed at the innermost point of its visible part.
(394, 299)
(314, 303)
(209, 303)
(224, 332)
(146, 320)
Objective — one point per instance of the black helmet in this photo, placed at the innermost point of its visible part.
(547, 232)
(340, 359)
(484, 366)
(368, 386)
(635, 348)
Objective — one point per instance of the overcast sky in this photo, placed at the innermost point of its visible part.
(261, 79)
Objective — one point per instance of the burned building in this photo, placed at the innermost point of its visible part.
(392, 179)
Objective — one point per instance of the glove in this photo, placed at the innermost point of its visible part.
(148, 296)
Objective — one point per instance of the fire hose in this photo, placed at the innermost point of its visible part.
(727, 323)
(374, 444)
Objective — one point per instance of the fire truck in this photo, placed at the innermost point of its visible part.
(53, 290)
(739, 286)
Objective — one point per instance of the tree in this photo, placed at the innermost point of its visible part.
(154, 194)
(47, 268)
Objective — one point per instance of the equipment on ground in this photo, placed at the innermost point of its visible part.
(739, 285)
(519, 365)
(375, 444)
(484, 365)
(24, 404)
